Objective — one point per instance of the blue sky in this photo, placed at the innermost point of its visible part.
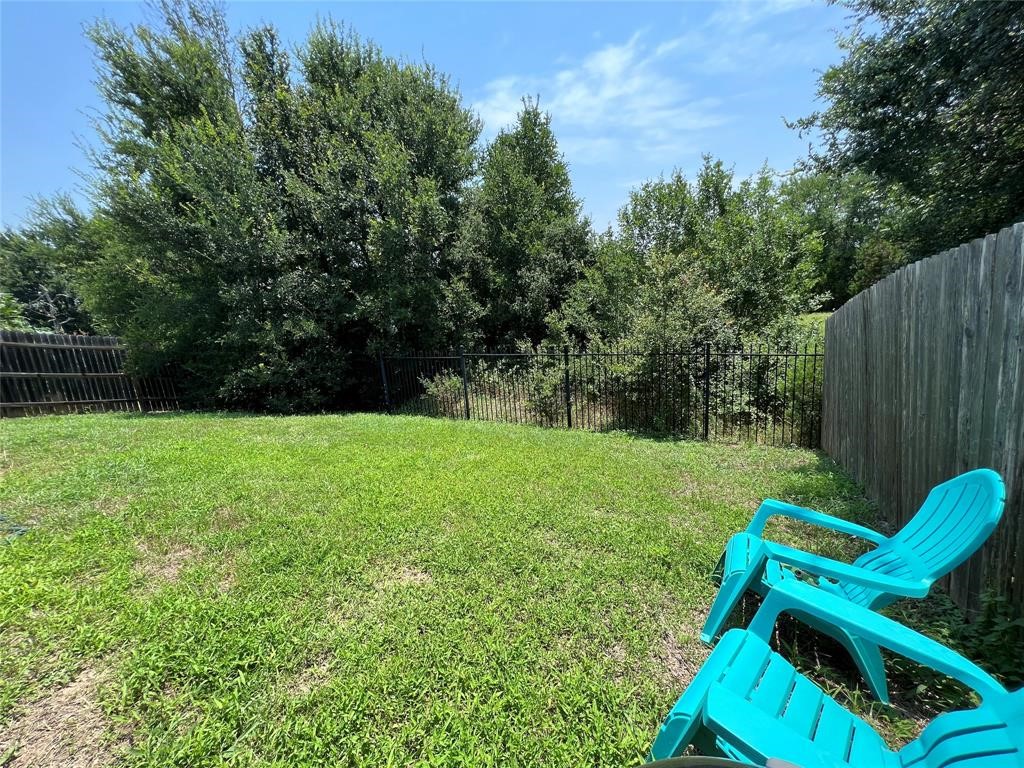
(634, 89)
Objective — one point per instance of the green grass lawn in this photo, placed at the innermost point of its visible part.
(362, 590)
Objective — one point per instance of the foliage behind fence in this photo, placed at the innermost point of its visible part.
(924, 380)
(57, 373)
(756, 394)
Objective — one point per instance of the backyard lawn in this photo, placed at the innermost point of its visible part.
(361, 590)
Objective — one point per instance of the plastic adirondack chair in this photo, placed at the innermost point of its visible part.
(749, 704)
(955, 519)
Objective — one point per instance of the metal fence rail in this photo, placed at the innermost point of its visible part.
(754, 394)
(56, 373)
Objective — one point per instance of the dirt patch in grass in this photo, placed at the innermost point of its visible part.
(310, 677)
(225, 572)
(405, 576)
(617, 654)
(228, 519)
(687, 488)
(113, 506)
(227, 580)
(163, 567)
(679, 660)
(609, 513)
(550, 539)
(341, 611)
(66, 728)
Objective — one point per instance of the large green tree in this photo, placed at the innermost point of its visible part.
(37, 269)
(276, 216)
(929, 98)
(708, 260)
(524, 241)
(861, 223)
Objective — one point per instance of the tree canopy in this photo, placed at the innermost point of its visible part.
(274, 220)
(523, 242)
(265, 219)
(716, 259)
(929, 98)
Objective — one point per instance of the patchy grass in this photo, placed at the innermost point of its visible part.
(364, 590)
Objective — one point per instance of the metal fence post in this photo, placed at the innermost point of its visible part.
(465, 381)
(707, 389)
(384, 382)
(568, 393)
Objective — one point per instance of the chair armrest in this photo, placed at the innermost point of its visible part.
(793, 596)
(770, 507)
(835, 569)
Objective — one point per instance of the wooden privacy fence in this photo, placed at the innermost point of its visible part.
(924, 379)
(55, 373)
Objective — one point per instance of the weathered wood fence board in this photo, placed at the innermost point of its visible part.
(924, 379)
(55, 373)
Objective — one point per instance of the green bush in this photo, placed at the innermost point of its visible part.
(443, 395)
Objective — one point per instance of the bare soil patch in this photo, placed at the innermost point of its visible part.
(163, 567)
(405, 576)
(679, 660)
(66, 729)
(310, 677)
(228, 519)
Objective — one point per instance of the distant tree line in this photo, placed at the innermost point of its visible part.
(263, 220)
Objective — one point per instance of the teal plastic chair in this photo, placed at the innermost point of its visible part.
(749, 704)
(954, 521)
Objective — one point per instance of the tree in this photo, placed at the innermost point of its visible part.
(930, 99)
(849, 213)
(735, 259)
(37, 270)
(268, 226)
(13, 315)
(524, 242)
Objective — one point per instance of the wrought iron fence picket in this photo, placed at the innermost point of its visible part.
(751, 393)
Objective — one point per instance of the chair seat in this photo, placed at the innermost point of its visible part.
(750, 704)
(767, 709)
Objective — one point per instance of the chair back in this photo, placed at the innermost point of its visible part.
(954, 521)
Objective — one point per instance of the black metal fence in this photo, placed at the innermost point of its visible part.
(746, 394)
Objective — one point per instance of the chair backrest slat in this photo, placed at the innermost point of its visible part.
(953, 522)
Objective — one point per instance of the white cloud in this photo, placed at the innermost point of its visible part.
(640, 106)
(620, 97)
(590, 149)
(734, 38)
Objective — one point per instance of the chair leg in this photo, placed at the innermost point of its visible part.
(732, 589)
(869, 661)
